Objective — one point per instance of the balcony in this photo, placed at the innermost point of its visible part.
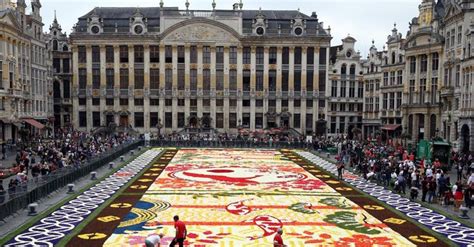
(109, 92)
(81, 92)
(154, 92)
(16, 93)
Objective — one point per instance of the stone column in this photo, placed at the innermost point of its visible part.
(199, 79)
(89, 86)
(146, 99)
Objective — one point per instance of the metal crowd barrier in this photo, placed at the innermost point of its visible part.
(12, 200)
(227, 144)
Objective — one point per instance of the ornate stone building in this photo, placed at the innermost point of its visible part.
(58, 44)
(225, 69)
(25, 89)
(345, 92)
(424, 55)
(457, 90)
(393, 79)
(372, 80)
(457, 118)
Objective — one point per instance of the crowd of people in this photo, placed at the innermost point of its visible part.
(398, 168)
(67, 148)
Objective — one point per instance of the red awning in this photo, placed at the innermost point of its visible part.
(34, 123)
(391, 127)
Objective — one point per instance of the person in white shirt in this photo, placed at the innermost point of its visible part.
(153, 240)
(470, 181)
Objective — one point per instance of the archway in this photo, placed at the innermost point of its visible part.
(465, 136)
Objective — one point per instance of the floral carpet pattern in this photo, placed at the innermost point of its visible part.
(232, 197)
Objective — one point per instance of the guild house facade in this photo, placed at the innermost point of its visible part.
(168, 69)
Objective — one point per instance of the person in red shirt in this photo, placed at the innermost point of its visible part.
(278, 240)
(181, 232)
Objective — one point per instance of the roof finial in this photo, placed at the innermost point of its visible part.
(395, 25)
(161, 4)
(241, 5)
(55, 19)
(373, 42)
(213, 4)
(187, 5)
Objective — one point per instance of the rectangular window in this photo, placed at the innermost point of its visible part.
(272, 59)
(259, 120)
(96, 101)
(168, 54)
(154, 79)
(310, 56)
(82, 78)
(247, 55)
(82, 53)
(286, 55)
(360, 91)
(181, 120)
(297, 80)
(95, 54)
(400, 77)
(168, 79)
(284, 80)
(392, 78)
(66, 65)
(259, 80)
(96, 119)
(322, 80)
(109, 102)
(424, 63)
(193, 54)
(434, 90)
(260, 55)
(233, 55)
(82, 101)
(412, 65)
(123, 78)
(96, 79)
(154, 102)
(138, 53)
(82, 119)
(206, 79)
(272, 80)
(322, 55)
(153, 119)
(298, 54)
(220, 120)
(193, 79)
(232, 120)
(351, 89)
(297, 121)
(109, 54)
(181, 79)
(123, 102)
(385, 101)
(206, 55)
(181, 54)
(154, 54)
(123, 54)
(458, 75)
(435, 61)
(233, 79)
(343, 89)
(219, 80)
(67, 89)
(399, 100)
(459, 36)
(411, 92)
(258, 103)
(139, 78)
(56, 65)
(297, 103)
(168, 120)
(219, 55)
(422, 90)
(334, 88)
(139, 120)
(246, 80)
(392, 100)
(385, 78)
(138, 102)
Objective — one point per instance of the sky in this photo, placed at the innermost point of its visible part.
(365, 20)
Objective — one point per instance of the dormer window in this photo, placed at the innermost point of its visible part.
(95, 29)
(138, 29)
(298, 31)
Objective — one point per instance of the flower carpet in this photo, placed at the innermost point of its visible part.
(240, 197)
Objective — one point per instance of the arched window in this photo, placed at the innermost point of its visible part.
(343, 69)
(55, 45)
(352, 69)
(393, 57)
(65, 48)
